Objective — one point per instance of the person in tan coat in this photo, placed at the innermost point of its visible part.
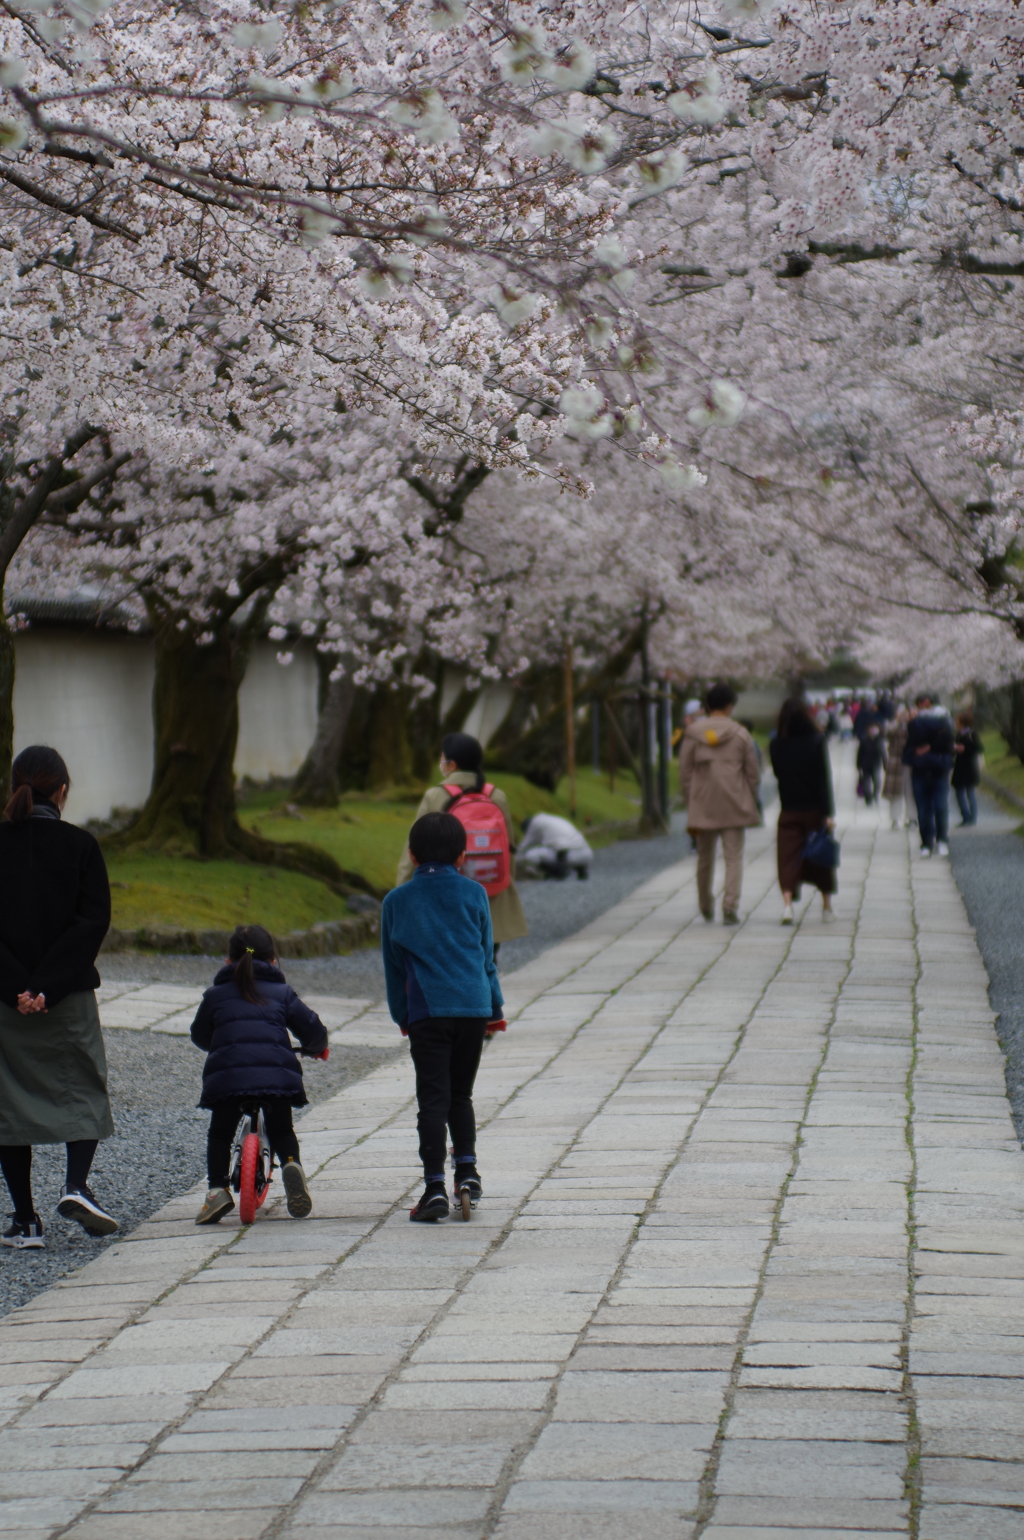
(719, 779)
(461, 759)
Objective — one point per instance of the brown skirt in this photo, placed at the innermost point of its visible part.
(793, 831)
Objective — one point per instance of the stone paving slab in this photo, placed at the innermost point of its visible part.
(748, 1266)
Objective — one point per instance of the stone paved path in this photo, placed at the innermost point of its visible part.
(749, 1267)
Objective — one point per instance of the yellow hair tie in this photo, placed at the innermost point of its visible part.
(250, 951)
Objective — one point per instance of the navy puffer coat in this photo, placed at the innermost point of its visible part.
(247, 1045)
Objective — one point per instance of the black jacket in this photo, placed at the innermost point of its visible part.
(247, 1045)
(802, 770)
(871, 753)
(54, 909)
(936, 730)
(967, 766)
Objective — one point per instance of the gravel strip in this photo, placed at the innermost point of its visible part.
(988, 864)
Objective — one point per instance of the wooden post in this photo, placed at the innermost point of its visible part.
(570, 731)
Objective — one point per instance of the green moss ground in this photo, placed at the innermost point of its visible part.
(1002, 764)
(364, 834)
(367, 834)
(171, 894)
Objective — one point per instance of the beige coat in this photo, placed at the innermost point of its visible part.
(507, 918)
(718, 775)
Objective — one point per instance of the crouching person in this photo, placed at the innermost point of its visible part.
(554, 846)
(243, 1023)
(443, 992)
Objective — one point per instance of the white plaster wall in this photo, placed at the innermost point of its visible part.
(489, 711)
(276, 713)
(90, 697)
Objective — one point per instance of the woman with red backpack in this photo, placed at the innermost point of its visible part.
(489, 840)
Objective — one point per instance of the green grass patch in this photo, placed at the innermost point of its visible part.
(367, 834)
(171, 894)
(1002, 764)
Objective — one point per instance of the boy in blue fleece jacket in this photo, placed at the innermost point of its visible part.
(443, 992)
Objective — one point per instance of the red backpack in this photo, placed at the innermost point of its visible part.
(487, 854)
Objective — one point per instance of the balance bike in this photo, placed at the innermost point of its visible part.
(251, 1164)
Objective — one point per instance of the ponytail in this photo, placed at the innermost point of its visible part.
(467, 753)
(249, 943)
(19, 809)
(37, 775)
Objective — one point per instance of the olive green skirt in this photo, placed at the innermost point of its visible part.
(53, 1074)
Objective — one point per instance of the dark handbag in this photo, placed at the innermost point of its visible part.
(860, 785)
(821, 849)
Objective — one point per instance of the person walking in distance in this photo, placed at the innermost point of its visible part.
(929, 753)
(799, 755)
(967, 747)
(871, 762)
(895, 788)
(719, 780)
(461, 760)
(54, 912)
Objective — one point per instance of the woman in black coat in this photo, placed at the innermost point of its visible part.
(967, 747)
(799, 755)
(54, 913)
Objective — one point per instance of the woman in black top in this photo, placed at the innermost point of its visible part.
(967, 747)
(799, 755)
(54, 913)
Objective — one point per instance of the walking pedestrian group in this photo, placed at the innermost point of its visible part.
(441, 928)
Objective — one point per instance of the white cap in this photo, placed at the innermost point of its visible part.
(692, 708)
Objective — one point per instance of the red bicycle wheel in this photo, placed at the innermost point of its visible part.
(247, 1204)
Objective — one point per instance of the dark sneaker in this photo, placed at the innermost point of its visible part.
(218, 1203)
(467, 1178)
(708, 914)
(78, 1203)
(24, 1237)
(730, 917)
(433, 1204)
(300, 1204)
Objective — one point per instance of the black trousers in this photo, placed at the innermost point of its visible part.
(16, 1163)
(224, 1118)
(446, 1052)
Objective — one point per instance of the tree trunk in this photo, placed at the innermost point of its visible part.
(191, 808)
(316, 784)
(7, 662)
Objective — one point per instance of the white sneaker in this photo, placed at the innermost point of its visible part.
(828, 917)
(925, 852)
(896, 825)
(943, 849)
(787, 914)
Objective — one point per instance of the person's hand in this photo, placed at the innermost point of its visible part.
(830, 824)
(29, 1004)
(925, 748)
(958, 748)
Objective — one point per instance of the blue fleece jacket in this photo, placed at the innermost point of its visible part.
(435, 933)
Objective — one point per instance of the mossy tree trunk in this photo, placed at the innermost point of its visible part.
(316, 784)
(191, 808)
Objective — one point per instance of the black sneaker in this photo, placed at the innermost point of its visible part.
(730, 917)
(433, 1204)
(78, 1203)
(467, 1178)
(26, 1236)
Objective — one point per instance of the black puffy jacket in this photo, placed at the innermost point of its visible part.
(247, 1045)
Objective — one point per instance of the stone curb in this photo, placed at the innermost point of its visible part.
(326, 939)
